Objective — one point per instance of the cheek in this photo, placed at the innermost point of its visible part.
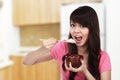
(71, 31)
(86, 32)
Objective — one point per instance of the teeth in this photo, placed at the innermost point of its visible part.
(77, 36)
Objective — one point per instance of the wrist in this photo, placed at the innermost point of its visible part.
(88, 75)
(85, 71)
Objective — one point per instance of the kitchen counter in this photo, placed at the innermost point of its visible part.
(23, 51)
(5, 63)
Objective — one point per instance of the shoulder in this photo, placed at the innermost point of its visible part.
(60, 45)
(103, 54)
(59, 50)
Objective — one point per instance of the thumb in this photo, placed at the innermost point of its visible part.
(82, 60)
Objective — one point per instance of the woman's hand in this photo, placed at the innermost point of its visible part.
(48, 43)
(41, 54)
(82, 68)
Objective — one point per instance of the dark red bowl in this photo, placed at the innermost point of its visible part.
(74, 59)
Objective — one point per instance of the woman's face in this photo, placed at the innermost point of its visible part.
(79, 33)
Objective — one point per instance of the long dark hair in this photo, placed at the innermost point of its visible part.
(87, 17)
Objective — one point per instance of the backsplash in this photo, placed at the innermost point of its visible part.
(30, 35)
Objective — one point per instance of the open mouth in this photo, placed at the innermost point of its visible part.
(78, 38)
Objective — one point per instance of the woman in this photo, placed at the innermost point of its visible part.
(84, 29)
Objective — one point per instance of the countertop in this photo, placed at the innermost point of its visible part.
(5, 63)
(22, 51)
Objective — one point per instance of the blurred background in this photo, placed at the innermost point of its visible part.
(24, 22)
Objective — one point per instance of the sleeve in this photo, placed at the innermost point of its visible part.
(105, 63)
(58, 50)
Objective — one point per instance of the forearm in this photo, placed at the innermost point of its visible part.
(38, 55)
(89, 75)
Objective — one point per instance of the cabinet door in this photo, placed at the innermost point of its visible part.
(22, 72)
(28, 72)
(5, 73)
(43, 71)
(31, 12)
(16, 68)
(49, 11)
(26, 12)
(1, 74)
(48, 71)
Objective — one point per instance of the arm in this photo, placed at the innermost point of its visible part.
(105, 67)
(88, 75)
(42, 54)
(103, 76)
(106, 75)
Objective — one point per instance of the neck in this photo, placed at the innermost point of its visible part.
(82, 50)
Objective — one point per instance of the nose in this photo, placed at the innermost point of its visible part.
(77, 29)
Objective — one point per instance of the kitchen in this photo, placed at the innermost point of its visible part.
(15, 37)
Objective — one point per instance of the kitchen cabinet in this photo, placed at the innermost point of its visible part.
(48, 71)
(43, 71)
(26, 12)
(5, 73)
(35, 12)
(75, 1)
(32, 12)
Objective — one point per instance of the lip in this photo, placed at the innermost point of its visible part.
(77, 40)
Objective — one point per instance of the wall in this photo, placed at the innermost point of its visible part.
(31, 35)
(113, 38)
(9, 35)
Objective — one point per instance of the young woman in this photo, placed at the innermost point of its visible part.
(84, 29)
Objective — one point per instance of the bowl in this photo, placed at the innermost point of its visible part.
(74, 59)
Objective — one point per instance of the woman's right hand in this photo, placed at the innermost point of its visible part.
(41, 54)
(48, 43)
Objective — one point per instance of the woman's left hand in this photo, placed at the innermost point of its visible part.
(82, 68)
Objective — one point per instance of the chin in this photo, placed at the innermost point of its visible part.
(80, 44)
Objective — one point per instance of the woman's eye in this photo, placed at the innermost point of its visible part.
(72, 25)
(81, 26)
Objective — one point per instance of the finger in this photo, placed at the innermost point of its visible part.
(70, 65)
(49, 46)
(66, 66)
(72, 68)
(42, 39)
(75, 69)
(82, 61)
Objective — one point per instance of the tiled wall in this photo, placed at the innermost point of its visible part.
(30, 35)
